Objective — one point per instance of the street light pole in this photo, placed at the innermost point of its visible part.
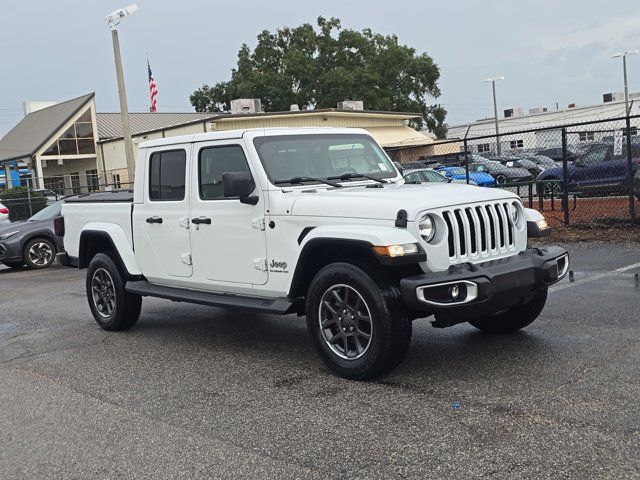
(495, 110)
(632, 205)
(112, 21)
(624, 69)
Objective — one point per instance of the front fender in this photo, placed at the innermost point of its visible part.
(373, 234)
(118, 238)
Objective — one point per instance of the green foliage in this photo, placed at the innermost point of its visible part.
(17, 200)
(317, 68)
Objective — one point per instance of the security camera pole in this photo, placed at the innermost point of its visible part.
(112, 21)
(495, 108)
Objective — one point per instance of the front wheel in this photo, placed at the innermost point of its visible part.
(112, 307)
(514, 318)
(39, 253)
(357, 321)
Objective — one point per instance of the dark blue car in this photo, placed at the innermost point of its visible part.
(599, 170)
(459, 173)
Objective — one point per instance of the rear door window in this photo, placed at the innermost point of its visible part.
(167, 175)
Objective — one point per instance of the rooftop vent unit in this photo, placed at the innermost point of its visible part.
(246, 105)
(612, 97)
(513, 112)
(351, 105)
(533, 111)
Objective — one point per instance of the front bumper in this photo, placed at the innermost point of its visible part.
(486, 287)
(10, 252)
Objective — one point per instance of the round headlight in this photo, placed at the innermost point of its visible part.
(515, 213)
(427, 228)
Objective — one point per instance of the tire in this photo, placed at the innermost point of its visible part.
(112, 307)
(514, 318)
(371, 307)
(39, 253)
(555, 187)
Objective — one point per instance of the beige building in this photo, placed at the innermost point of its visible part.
(70, 148)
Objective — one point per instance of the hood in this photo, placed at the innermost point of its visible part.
(12, 227)
(513, 172)
(384, 203)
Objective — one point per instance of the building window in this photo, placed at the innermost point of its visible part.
(484, 148)
(77, 140)
(586, 136)
(75, 183)
(55, 184)
(516, 143)
(167, 171)
(93, 183)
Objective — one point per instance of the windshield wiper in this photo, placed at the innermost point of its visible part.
(352, 175)
(300, 180)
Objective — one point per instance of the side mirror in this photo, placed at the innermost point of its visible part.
(399, 167)
(239, 185)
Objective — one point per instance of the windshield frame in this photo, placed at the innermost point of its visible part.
(390, 175)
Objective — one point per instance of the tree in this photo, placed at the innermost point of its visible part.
(319, 68)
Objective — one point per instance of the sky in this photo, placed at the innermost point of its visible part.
(549, 51)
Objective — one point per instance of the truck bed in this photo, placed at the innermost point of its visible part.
(101, 211)
(119, 196)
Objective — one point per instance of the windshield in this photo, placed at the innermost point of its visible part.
(434, 176)
(321, 156)
(48, 213)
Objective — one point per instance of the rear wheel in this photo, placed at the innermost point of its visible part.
(514, 318)
(550, 189)
(357, 321)
(39, 253)
(112, 307)
(501, 179)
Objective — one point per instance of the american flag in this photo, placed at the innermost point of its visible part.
(153, 90)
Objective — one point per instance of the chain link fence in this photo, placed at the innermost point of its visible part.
(27, 199)
(584, 173)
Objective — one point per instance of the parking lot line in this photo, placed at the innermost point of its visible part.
(594, 277)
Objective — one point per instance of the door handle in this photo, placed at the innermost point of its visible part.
(201, 221)
(154, 220)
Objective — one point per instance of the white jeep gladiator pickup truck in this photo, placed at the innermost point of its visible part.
(316, 222)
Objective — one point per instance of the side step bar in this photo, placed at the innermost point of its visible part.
(277, 306)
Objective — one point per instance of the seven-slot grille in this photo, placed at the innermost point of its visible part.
(479, 230)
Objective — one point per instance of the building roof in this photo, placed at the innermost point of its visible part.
(321, 111)
(550, 118)
(398, 137)
(110, 124)
(34, 130)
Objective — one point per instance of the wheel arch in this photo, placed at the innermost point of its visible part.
(93, 242)
(321, 251)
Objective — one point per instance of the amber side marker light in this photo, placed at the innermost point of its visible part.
(396, 250)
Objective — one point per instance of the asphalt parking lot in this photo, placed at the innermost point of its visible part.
(196, 392)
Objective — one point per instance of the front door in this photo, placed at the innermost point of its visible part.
(161, 223)
(228, 237)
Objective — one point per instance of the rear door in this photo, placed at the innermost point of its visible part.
(161, 222)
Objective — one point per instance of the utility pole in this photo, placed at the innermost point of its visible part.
(495, 110)
(112, 21)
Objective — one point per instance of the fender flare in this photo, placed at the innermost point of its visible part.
(115, 235)
(361, 237)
